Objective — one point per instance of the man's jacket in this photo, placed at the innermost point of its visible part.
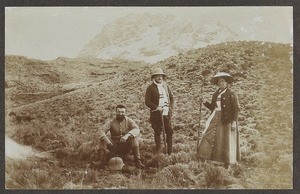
(152, 101)
(119, 128)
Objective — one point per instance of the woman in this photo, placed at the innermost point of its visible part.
(220, 141)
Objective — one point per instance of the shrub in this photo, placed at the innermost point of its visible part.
(33, 174)
(180, 157)
(257, 159)
(217, 177)
(174, 176)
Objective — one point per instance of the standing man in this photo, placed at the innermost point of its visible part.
(159, 99)
(123, 136)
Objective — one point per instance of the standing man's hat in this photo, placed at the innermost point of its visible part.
(157, 71)
(115, 163)
(219, 75)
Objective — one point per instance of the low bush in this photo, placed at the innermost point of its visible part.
(217, 177)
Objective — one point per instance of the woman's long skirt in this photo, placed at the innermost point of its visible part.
(219, 142)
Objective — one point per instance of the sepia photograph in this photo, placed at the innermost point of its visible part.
(164, 97)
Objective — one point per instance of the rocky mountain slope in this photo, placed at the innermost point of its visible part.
(66, 124)
(154, 37)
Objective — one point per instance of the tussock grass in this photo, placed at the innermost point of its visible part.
(177, 175)
(66, 125)
(217, 177)
(34, 174)
(180, 157)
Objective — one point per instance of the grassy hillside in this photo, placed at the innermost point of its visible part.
(57, 106)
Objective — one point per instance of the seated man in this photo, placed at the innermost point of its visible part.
(123, 131)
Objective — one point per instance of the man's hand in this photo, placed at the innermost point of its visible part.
(108, 142)
(160, 109)
(124, 138)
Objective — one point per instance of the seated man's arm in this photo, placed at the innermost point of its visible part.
(134, 129)
(103, 131)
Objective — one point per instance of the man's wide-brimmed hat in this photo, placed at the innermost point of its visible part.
(157, 71)
(223, 75)
(115, 163)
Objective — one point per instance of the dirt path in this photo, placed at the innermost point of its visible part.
(16, 151)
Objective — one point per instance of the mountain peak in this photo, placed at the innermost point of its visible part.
(152, 37)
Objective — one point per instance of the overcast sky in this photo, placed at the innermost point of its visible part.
(50, 32)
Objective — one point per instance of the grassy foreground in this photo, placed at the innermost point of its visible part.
(57, 107)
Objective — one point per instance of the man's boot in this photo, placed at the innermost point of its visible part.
(137, 157)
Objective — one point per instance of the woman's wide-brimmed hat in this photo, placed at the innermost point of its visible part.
(115, 164)
(224, 75)
(157, 71)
